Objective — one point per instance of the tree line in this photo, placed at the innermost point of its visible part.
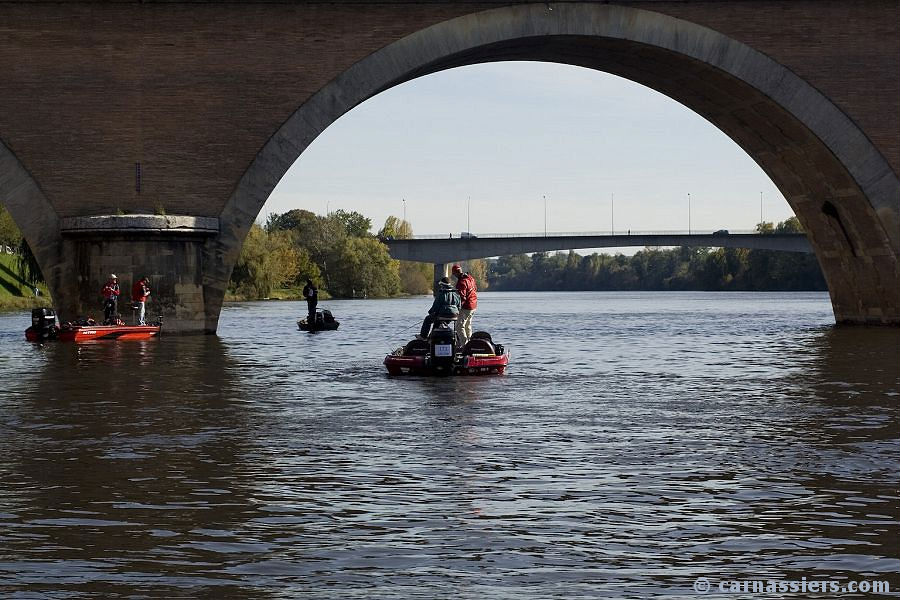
(682, 268)
(336, 252)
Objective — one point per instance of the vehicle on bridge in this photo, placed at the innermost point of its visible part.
(465, 235)
(720, 232)
(439, 355)
(44, 328)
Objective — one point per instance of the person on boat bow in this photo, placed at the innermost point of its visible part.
(140, 291)
(311, 295)
(110, 294)
(446, 305)
(468, 293)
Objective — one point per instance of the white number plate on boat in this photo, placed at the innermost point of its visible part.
(443, 350)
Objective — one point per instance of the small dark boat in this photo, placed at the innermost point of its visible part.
(44, 328)
(324, 322)
(438, 355)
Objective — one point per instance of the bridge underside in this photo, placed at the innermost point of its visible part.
(222, 161)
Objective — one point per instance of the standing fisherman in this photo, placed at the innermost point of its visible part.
(311, 294)
(110, 294)
(140, 291)
(465, 285)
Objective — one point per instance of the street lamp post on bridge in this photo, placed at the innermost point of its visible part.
(689, 213)
(545, 215)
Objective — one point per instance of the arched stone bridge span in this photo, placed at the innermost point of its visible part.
(197, 109)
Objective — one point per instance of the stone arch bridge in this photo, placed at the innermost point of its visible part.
(113, 110)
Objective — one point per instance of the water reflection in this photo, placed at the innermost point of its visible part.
(126, 467)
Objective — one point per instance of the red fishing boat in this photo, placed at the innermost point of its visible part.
(87, 333)
(44, 327)
(438, 355)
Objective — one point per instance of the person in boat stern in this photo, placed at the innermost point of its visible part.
(311, 294)
(468, 293)
(110, 294)
(446, 304)
(140, 291)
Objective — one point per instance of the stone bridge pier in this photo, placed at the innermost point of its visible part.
(173, 251)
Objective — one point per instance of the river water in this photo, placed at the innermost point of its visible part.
(638, 441)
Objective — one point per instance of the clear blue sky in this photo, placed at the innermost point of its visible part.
(508, 134)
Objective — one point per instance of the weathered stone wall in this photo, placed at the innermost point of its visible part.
(174, 264)
(192, 91)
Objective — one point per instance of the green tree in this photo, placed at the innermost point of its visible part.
(364, 268)
(790, 225)
(306, 267)
(477, 268)
(292, 220)
(9, 232)
(415, 277)
(267, 261)
(510, 272)
(355, 224)
(395, 228)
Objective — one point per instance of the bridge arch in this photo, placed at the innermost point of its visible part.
(31, 211)
(840, 186)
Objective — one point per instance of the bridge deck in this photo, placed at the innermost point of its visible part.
(450, 249)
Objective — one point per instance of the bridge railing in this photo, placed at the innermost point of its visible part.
(626, 232)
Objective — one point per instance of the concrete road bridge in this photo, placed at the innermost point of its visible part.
(113, 113)
(442, 251)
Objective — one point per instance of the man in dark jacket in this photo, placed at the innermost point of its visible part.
(446, 304)
(468, 293)
(311, 295)
(110, 294)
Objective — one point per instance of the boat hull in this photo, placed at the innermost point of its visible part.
(397, 364)
(90, 333)
(331, 326)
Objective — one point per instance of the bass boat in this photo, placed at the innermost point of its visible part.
(439, 355)
(324, 322)
(44, 328)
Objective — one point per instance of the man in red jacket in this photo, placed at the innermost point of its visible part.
(140, 291)
(468, 293)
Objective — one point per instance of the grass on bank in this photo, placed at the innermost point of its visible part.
(15, 293)
(289, 293)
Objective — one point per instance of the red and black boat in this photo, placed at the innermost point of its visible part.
(438, 355)
(44, 327)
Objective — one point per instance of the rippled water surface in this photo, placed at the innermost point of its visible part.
(638, 442)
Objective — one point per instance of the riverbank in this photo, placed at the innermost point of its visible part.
(292, 293)
(15, 293)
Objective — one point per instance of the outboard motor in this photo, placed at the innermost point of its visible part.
(43, 323)
(443, 346)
